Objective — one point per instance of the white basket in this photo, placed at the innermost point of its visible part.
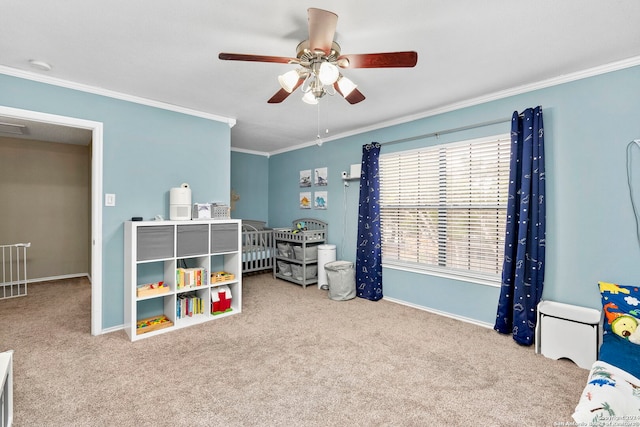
(220, 212)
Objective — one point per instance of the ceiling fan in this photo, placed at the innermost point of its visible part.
(320, 61)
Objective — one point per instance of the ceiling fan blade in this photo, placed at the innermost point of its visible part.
(256, 58)
(322, 29)
(353, 98)
(380, 60)
(282, 94)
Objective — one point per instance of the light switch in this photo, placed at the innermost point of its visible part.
(109, 199)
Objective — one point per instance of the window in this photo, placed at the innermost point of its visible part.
(443, 208)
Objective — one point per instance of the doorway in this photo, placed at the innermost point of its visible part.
(96, 129)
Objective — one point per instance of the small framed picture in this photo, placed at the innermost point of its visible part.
(305, 200)
(320, 200)
(320, 177)
(305, 178)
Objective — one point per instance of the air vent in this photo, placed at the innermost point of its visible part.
(13, 129)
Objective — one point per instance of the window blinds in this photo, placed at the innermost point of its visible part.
(445, 205)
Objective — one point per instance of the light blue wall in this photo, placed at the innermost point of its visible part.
(249, 179)
(590, 224)
(146, 151)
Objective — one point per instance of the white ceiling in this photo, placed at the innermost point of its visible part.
(167, 51)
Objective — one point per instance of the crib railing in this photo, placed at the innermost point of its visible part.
(14, 270)
(257, 249)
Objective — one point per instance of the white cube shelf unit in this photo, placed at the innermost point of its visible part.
(155, 250)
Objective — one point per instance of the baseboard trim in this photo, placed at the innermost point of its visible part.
(61, 277)
(439, 312)
(112, 329)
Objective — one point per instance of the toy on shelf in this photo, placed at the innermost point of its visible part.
(221, 276)
(152, 289)
(220, 300)
(152, 324)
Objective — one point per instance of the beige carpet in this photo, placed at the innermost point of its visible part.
(293, 357)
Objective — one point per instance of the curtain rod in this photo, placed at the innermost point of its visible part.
(444, 132)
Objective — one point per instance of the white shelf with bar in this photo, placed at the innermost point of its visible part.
(168, 274)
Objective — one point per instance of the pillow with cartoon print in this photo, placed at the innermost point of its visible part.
(621, 307)
(620, 352)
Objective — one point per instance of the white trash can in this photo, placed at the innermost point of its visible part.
(326, 253)
(342, 280)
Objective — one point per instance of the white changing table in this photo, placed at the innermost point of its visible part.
(569, 331)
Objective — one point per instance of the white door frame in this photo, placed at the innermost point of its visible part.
(96, 198)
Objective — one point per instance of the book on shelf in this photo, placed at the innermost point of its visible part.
(188, 305)
(190, 277)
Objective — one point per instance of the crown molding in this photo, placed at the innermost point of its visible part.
(112, 94)
(554, 81)
(254, 152)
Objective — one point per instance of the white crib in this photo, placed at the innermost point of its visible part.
(13, 282)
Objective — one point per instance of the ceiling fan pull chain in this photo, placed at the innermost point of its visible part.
(326, 130)
(318, 131)
(319, 140)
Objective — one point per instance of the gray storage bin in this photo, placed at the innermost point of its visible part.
(342, 280)
(311, 271)
(310, 253)
(155, 242)
(193, 240)
(224, 237)
(285, 250)
(284, 268)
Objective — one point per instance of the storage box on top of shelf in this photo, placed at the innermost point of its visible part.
(201, 211)
(220, 211)
(220, 299)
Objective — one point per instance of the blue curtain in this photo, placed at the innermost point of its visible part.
(523, 267)
(369, 252)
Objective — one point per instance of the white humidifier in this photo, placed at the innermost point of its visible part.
(180, 203)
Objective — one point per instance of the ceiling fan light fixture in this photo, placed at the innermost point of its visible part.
(289, 80)
(346, 86)
(328, 73)
(310, 98)
(343, 63)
